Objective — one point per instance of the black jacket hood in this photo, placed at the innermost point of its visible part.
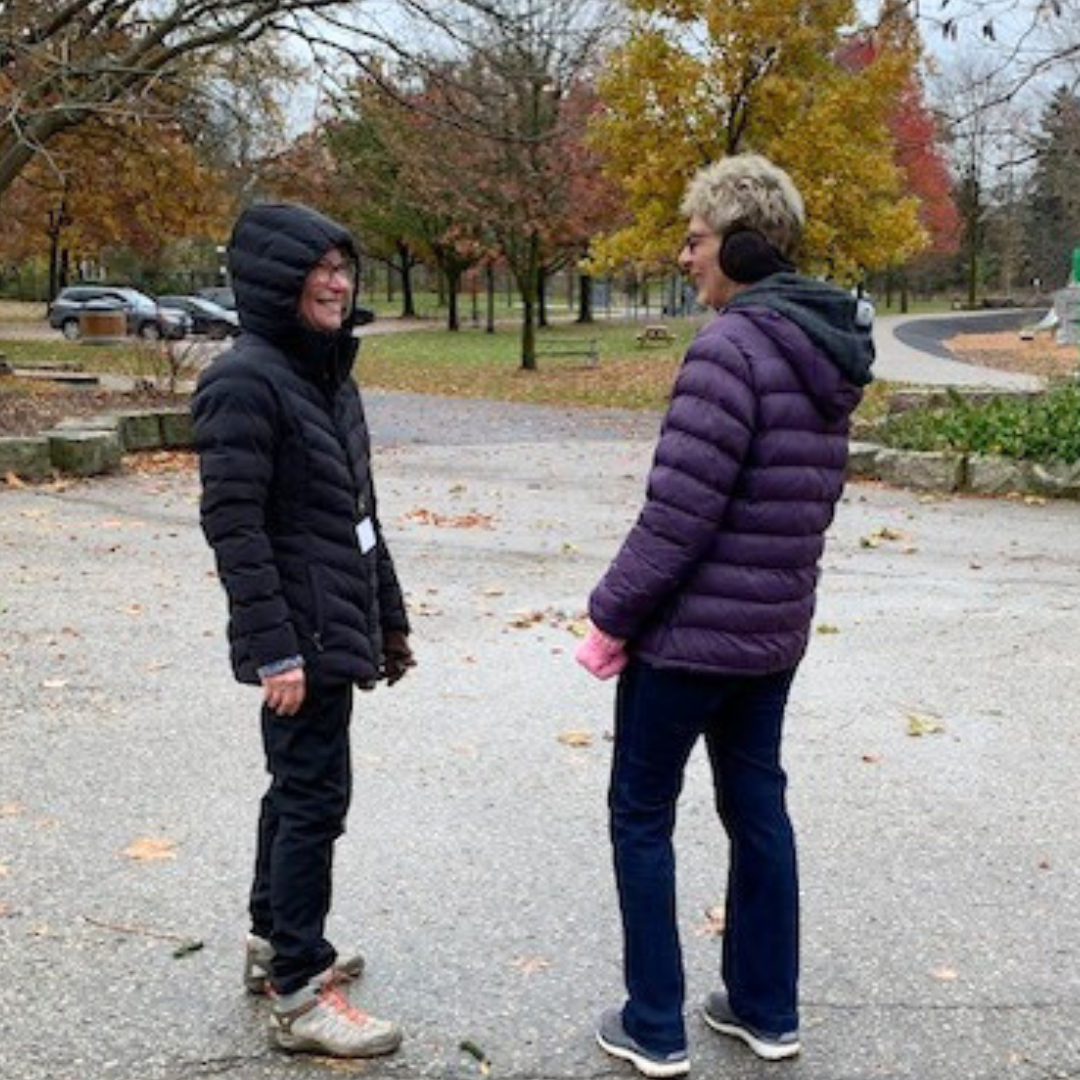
(830, 317)
(273, 248)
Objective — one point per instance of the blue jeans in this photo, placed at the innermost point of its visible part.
(659, 715)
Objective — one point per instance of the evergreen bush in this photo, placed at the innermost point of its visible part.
(1045, 427)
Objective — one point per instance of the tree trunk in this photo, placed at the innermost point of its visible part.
(453, 288)
(904, 298)
(585, 304)
(408, 299)
(529, 282)
(541, 298)
(54, 263)
(489, 279)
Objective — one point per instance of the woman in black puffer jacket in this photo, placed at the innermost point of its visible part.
(315, 608)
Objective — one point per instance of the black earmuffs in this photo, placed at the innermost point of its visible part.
(746, 256)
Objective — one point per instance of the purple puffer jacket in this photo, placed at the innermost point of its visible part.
(719, 573)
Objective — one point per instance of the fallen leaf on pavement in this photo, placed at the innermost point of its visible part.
(150, 849)
(474, 520)
(919, 724)
(576, 738)
(522, 620)
(713, 926)
(530, 965)
(945, 974)
(827, 628)
(871, 759)
(11, 809)
(880, 536)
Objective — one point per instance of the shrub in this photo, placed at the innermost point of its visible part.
(1045, 427)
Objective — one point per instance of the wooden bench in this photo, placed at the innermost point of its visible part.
(588, 348)
(656, 334)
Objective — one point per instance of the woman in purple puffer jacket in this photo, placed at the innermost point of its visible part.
(706, 609)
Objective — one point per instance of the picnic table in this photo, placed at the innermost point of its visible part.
(655, 333)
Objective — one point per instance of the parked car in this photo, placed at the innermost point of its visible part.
(144, 317)
(206, 317)
(221, 295)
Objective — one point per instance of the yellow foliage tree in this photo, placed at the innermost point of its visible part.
(698, 80)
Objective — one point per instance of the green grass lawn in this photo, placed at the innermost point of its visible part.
(128, 358)
(469, 363)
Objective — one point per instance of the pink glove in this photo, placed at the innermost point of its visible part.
(601, 655)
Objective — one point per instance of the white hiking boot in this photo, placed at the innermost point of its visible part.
(319, 1019)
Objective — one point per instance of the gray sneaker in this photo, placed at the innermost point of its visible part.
(319, 1019)
(770, 1045)
(260, 954)
(612, 1037)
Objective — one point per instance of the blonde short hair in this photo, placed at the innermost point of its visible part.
(750, 192)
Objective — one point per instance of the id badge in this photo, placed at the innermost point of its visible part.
(365, 533)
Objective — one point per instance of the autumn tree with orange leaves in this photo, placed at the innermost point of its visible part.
(112, 183)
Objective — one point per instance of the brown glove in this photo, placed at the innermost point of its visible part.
(397, 656)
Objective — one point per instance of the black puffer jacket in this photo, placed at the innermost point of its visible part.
(285, 463)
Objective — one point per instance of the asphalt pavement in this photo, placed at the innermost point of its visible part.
(940, 871)
(912, 349)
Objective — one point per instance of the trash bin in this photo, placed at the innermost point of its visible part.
(102, 323)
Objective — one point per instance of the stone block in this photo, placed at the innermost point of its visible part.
(1054, 479)
(97, 422)
(27, 457)
(1067, 309)
(139, 430)
(988, 474)
(862, 459)
(176, 429)
(920, 470)
(84, 453)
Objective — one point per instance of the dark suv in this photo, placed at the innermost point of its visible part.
(144, 317)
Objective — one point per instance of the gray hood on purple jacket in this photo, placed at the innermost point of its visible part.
(830, 317)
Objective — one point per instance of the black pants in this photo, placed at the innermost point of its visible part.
(303, 813)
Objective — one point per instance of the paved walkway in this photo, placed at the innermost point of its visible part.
(900, 359)
(941, 873)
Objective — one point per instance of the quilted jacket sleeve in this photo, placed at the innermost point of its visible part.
(235, 438)
(703, 442)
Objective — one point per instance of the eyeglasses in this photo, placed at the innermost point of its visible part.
(328, 270)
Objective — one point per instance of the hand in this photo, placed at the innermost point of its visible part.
(397, 656)
(284, 693)
(601, 654)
